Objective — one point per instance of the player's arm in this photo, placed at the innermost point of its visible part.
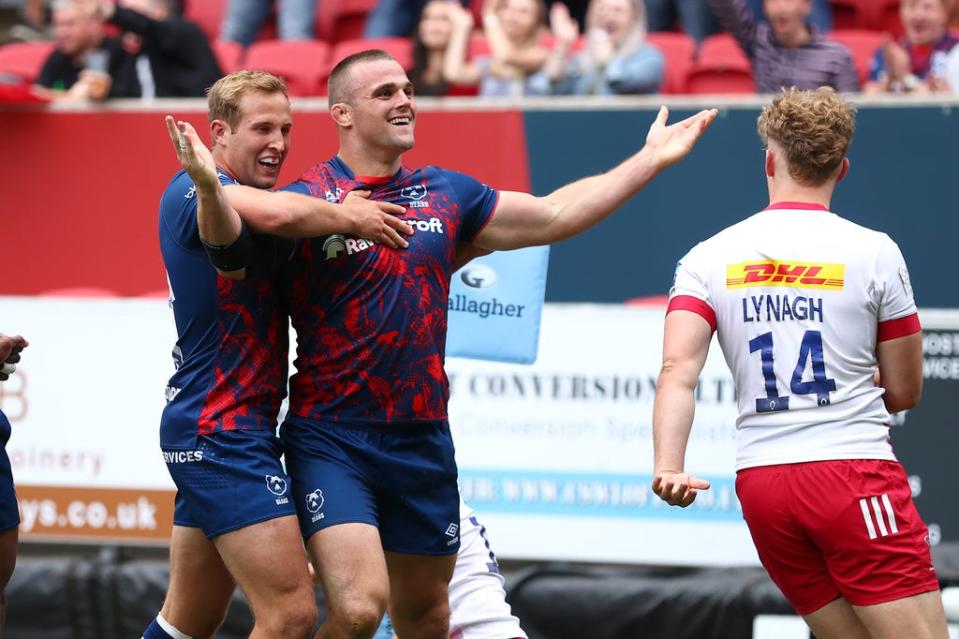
(289, 214)
(466, 253)
(685, 346)
(522, 220)
(221, 230)
(900, 371)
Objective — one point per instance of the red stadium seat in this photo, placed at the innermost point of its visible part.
(721, 68)
(303, 64)
(875, 15)
(340, 20)
(208, 14)
(228, 54)
(678, 49)
(399, 48)
(24, 59)
(862, 45)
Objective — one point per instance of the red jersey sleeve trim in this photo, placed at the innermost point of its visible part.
(891, 329)
(694, 304)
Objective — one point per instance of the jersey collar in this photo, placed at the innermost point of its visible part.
(796, 206)
(340, 168)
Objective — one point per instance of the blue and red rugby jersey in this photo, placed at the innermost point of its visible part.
(370, 320)
(232, 335)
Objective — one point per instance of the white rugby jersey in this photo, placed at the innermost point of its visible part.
(799, 297)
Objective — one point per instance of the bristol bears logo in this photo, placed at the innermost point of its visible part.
(314, 500)
(334, 245)
(276, 484)
(416, 194)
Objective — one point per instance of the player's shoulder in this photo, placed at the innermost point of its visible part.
(858, 234)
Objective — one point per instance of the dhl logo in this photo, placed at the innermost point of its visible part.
(790, 274)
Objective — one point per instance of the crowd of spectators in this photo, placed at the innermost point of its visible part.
(144, 49)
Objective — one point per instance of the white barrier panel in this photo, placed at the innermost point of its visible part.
(85, 407)
(557, 457)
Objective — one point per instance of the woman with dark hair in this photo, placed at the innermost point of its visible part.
(430, 41)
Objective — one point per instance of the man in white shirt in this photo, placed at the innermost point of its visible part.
(816, 319)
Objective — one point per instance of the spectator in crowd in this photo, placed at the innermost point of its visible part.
(952, 69)
(917, 62)
(820, 17)
(616, 59)
(174, 58)
(512, 28)
(29, 20)
(244, 18)
(695, 17)
(786, 51)
(86, 63)
(430, 41)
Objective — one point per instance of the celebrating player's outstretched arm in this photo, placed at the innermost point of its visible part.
(685, 346)
(521, 219)
(277, 213)
(10, 347)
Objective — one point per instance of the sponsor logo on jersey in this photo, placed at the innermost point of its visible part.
(182, 456)
(334, 245)
(788, 274)
(314, 502)
(478, 276)
(171, 392)
(416, 195)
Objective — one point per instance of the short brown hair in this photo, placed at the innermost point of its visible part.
(223, 98)
(814, 129)
(336, 86)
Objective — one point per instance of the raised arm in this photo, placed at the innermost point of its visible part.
(456, 68)
(685, 346)
(737, 18)
(522, 220)
(221, 209)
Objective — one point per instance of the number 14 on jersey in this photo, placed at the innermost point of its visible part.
(810, 349)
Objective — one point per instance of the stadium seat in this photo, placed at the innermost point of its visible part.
(340, 20)
(875, 15)
(678, 49)
(24, 59)
(209, 15)
(862, 45)
(206, 13)
(721, 68)
(228, 55)
(303, 64)
(399, 48)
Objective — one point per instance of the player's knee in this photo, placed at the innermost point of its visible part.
(430, 620)
(361, 618)
(291, 621)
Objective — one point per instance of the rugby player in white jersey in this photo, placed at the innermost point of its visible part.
(816, 318)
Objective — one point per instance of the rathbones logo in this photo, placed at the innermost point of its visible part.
(478, 276)
(789, 274)
(334, 245)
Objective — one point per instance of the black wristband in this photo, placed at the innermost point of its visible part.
(233, 257)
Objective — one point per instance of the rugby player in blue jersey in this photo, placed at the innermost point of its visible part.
(367, 442)
(234, 520)
(10, 347)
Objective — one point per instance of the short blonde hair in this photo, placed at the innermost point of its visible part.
(814, 130)
(223, 98)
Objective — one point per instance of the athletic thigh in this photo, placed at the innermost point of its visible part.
(419, 584)
(350, 566)
(200, 585)
(918, 617)
(268, 562)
